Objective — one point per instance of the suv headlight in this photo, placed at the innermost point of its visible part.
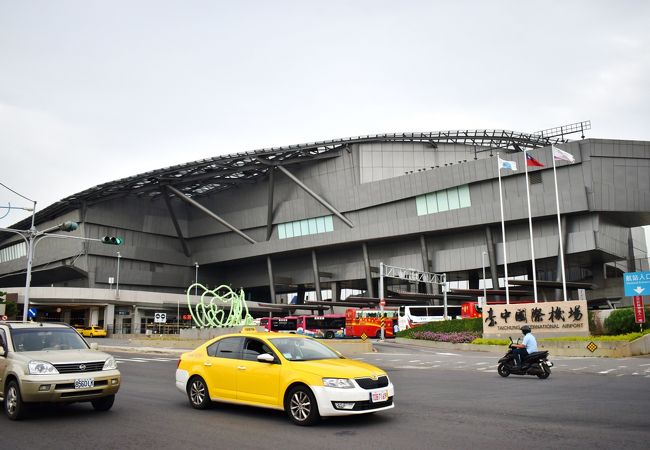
(343, 383)
(110, 364)
(41, 368)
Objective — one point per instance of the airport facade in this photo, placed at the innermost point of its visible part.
(320, 218)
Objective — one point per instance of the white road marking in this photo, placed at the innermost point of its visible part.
(411, 367)
(580, 368)
(394, 360)
(607, 371)
(447, 354)
(415, 360)
(480, 363)
(620, 375)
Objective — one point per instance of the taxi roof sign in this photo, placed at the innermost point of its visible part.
(248, 330)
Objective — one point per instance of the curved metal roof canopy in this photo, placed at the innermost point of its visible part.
(198, 178)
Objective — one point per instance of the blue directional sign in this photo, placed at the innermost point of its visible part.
(636, 283)
(31, 313)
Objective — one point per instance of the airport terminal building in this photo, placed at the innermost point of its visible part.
(320, 217)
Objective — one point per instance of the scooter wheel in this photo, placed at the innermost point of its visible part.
(503, 370)
(546, 372)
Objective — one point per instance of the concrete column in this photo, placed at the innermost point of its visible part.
(65, 317)
(314, 262)
(366, 263)
(109, 318)
(269, 267)
(336, 291)
(300, 300)
(425, 262)
(135, 321)
(631, 263)
(474, 279)
(94, 316)
(492, 256)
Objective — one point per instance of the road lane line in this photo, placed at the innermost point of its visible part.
(607, 371)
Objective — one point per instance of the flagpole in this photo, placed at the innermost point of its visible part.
(530, 226)
(503, 232)
(559, 227)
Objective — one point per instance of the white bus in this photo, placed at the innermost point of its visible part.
(412, 316)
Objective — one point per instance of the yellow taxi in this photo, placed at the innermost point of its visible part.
(289, 372)
(93, 331)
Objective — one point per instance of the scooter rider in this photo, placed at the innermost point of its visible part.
(528, 346)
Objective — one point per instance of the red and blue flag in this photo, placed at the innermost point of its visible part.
(532, 162)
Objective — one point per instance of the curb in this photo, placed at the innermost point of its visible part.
(150, 350)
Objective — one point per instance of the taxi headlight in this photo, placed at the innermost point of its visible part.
(110, 364)
(41, 368)
(343, 383)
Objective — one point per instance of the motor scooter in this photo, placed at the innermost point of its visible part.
(534, 364)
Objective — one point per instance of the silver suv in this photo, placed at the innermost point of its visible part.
(51, 362)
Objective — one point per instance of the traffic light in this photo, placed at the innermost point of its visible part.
(112, 240)
(68, 226)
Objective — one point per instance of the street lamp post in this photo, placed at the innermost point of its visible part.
(30, 260)
(117, 281)
(196, 277)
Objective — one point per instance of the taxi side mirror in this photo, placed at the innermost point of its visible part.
(3, 349)
(266, 357)
(94, 346)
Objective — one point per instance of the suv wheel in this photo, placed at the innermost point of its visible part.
(301, 406)
(15, 408)
(104, 403)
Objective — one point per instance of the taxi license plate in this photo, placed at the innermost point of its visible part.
(84, 383)
(379, 396)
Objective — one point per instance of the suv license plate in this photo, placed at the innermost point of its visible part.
(380, 396)
(84, 383)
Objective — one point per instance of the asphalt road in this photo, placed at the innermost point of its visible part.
(446, 400)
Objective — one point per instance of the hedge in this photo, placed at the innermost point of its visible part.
(446, 326)
(621, 321)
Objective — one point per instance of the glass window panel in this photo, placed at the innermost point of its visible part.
(304, 227)
(421, 205)
(281, 233)
(312, 226)
(320, 224)
(452, 196)
(463, 194)
(296, 229)
(443, 203)
(329, 223)
(432, 203)
(288, 229)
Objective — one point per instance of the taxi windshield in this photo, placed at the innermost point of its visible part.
(303, 349)
(40, 339)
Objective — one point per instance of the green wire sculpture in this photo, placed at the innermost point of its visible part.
(214, 314)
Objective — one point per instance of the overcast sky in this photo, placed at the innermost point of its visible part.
(93, 91)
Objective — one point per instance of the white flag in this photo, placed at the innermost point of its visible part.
(561, 155)
(505, 164)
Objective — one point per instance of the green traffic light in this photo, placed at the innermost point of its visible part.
(112, 240)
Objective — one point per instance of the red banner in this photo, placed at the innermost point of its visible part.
(639, 312)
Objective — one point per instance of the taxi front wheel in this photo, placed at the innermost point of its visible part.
(301, 406)
(197, 392)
